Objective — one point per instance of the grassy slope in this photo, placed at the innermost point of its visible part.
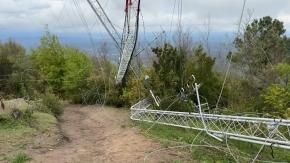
(211, 149)
(16, 136)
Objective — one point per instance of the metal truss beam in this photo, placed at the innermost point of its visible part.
(129, 40)
(265, 131)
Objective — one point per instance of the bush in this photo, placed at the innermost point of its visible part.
(276, 99)
(51, 104)
(78, 67)
(24, 115)
(287, 113)
(114, 100)
(173, 104)
(17, 117)
(27, 115)
(92, 97)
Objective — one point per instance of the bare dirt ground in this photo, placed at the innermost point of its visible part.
(96, 134)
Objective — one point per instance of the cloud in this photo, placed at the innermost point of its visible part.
(63, 16)
(23, 6)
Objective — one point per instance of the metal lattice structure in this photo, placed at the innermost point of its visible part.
(265, 131)
(127, 43)
(129, 39)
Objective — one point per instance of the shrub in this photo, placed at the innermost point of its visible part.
(23, 116)
(51, 104)
(276, 99)
(287, 113)
(27, 115)
(78, 68)
(92, 97)
(17, 117)
(114, 100)
(176, 104)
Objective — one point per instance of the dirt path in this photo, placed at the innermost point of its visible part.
(102, 135)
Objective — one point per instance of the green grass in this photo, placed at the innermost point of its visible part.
(244, 152)
(39, 122)
(44, 121)
(16, 135)
(18, 158)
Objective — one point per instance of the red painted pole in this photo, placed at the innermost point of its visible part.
(127, 6)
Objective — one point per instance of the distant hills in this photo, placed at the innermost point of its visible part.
(219, 42)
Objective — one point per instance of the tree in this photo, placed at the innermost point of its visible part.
(102, 84)
(284, 73)
(262, 45)
(12, 57)
(49, 60)
(169, 69)
(173, 69)
(134, 87)
(6, 67)
(201, 66)
(14, 51)
(276, 99)
(77, 69)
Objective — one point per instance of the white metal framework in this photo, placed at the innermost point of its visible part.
(127, 43)
(265, 131)
(130, 36)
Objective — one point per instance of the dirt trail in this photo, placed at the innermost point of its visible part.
(102, 135)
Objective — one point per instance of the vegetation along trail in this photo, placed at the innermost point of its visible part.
(102, 135)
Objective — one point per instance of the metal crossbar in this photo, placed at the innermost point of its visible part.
(104, 19)
(266, 131)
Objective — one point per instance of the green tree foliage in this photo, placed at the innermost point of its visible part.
(134, 89)
(109, 88)
(52, 104)
(12, 57)
(287, 113)
(49, 60)
(64, 70)
(12, 51)
(77, 69)
(263, 44)
(172, 71)
(261, 58)
(284, 73)
(276, 99)
(102, 84)
(201, 66)
(169, 68)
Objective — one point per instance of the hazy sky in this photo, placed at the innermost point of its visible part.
(25, 17)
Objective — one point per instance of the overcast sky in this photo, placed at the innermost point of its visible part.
(62, 16)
